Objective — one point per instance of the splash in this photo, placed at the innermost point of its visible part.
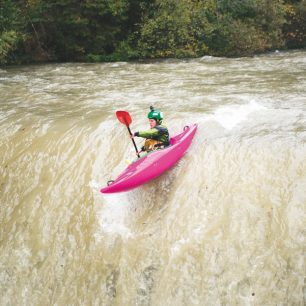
(113, 216)
(230, 116)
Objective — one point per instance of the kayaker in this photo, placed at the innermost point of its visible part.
(158, 136)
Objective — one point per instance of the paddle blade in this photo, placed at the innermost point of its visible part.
(124, 117)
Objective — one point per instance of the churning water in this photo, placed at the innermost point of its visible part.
(225, 226)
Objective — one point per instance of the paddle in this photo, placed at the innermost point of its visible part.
(125, 118)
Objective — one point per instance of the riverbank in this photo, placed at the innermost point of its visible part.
(73, 31)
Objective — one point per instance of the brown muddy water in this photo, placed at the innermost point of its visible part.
(225, 226)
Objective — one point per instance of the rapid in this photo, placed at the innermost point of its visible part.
(225, 226)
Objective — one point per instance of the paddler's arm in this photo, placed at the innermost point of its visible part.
(147, 134)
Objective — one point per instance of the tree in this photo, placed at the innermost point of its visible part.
(176, 29)
(10, 34)
(295, 27)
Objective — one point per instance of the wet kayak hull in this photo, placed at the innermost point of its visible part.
(154, 164)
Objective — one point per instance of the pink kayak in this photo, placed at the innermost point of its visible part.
(154, 164)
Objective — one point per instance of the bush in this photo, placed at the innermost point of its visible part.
(107, 30)
(175, 30)
(8, 43)
(295, 27)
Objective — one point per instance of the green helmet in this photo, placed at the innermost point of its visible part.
(155, 114)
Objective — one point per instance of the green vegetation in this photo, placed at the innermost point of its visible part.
(112, 30)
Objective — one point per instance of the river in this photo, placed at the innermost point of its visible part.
(225, 226)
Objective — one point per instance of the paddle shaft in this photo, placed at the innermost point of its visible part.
(133, 140)
(125, 118)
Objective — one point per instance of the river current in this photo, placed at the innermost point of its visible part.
(225, 226)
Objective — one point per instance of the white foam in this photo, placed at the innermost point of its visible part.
(112, 216)
(230, 116)
(177, 246)
(94, 185)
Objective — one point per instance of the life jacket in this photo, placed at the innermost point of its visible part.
(156, 138)
(163, 135)
(152, 145)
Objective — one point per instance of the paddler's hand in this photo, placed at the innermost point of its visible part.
(136, 134)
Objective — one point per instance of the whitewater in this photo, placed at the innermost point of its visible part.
(225, 226)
